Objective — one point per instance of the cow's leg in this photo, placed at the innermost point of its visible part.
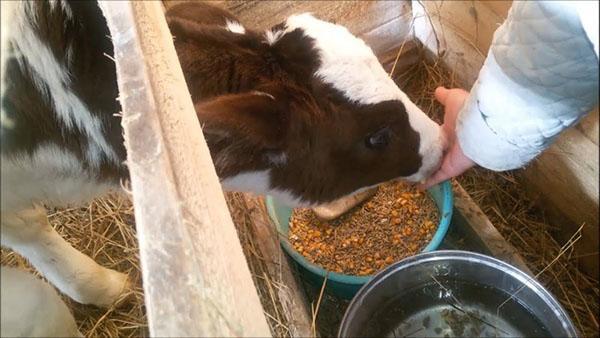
(32, 308)
(28, 233)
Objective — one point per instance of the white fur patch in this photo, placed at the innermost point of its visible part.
(347, 63)
(273, 36)
(52, 175)
(48, 73)
(259, 182)
(54, 5)
(290, 199)
(5, 121)
(431, 143)
(257, 92)
(36, 309)
(235, 27)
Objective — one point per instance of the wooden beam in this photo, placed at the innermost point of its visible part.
(564, 179)
(196, 279)
(293, 300)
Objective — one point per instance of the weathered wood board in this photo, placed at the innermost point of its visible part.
(379, 23)
(196, 279)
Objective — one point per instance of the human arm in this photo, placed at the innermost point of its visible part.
(540, 77)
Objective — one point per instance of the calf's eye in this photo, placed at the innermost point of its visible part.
(379, 139)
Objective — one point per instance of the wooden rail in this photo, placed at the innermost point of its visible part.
(196, 279)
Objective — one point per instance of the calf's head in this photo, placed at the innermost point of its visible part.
(326, 123)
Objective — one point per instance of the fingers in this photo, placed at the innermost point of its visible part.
(441, 94)
(439, 176)
(454, 163)
(453, 97)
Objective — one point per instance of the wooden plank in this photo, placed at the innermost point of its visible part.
(357, 16)
(565, 179)
(290, 293)
(196, 281)
(461, 30)
(382, 24)
(389, 36)
(589, 126)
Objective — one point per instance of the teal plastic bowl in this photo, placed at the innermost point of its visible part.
(346, 286)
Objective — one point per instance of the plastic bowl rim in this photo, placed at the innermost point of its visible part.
(438, 237)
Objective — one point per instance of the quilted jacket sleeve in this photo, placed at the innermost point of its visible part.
(540, 77)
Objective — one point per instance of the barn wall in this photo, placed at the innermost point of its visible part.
(565, 176)
(380, 23)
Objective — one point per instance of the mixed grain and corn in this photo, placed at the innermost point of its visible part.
(397, 222)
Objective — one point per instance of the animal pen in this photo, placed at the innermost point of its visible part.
(211, 262)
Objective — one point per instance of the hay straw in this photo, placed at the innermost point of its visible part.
(265, 281)
(511, 209)
(318, 306)
(568, 246)
(103, 230)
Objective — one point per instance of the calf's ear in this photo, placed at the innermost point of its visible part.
(254, 117)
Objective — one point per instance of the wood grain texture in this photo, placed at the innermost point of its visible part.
(564, 178)
(196, 279)
(382, 24)
(461, 30)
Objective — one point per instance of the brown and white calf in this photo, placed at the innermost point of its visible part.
(303, 111)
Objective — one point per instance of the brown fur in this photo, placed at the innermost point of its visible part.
(321, 132)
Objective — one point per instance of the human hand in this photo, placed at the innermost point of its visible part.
(455, 162)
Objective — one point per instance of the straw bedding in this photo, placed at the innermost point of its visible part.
(105, 231)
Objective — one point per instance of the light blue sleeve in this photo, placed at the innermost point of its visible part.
(540, 77)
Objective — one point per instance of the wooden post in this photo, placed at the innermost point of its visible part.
(196, 279)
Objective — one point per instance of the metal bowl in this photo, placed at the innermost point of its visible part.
(454, 294)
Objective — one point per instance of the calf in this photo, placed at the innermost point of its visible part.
(303, 111)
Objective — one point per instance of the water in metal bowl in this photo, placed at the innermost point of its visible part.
(454, 294)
